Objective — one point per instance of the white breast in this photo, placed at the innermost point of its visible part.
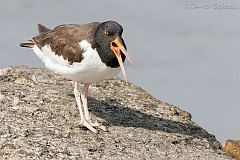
(90, 69)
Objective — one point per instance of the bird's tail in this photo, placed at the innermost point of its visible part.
(29, 44)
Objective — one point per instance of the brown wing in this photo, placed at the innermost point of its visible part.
(64, 39)
(42, 29)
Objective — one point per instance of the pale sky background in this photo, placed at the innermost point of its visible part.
(186, 52)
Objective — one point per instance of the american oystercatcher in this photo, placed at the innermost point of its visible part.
(82, 53)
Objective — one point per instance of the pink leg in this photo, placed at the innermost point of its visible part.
(84, 95)
(83, 121)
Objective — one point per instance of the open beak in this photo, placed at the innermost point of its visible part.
(117, 47)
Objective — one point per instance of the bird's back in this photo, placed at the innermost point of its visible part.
(64, 40)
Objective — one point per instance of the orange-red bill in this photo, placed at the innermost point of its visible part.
(117, 48)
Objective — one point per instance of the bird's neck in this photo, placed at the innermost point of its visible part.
(108, 57)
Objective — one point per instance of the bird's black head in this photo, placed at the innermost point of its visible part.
(110, 45)
(109, 30)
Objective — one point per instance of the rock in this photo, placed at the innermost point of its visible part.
(3, 71)
(232, 147)
(39, 120)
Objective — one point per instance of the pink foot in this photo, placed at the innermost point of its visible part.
(88, 125)
(99, 126)
(92, 126)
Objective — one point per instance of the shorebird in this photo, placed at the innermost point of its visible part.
(84, 53)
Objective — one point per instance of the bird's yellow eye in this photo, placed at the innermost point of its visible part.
(106, 32)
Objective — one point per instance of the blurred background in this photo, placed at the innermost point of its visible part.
(186, 52)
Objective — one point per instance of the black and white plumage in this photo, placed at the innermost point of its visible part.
(82, 53)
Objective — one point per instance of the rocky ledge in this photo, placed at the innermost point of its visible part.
(39, 120)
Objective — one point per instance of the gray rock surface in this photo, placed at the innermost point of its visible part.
(39, 120)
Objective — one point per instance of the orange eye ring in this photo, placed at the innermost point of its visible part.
(106, 32)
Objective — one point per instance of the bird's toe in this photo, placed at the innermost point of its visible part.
(99, 126)
(89, 126)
